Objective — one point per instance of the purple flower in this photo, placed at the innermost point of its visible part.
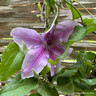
(42, 47)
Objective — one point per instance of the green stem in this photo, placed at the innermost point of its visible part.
(75, 9)
(85, 9)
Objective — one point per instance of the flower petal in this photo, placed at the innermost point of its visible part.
(56, 51)
(58, 65)
(63, 30)
(54, 70)
(29, 36)
(35, 59)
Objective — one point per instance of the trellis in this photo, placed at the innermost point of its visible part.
(22, 13)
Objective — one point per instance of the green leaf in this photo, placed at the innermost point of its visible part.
(80, 55)
(69, 73)
(11, 61)
(45, 70)
(64, 55)
(36, 75)
(87, 21)
(75, 13)
(90, 81)
(49, 5)
(78, 33)
(38, 15)
(19, 87)
(52, 62)
(65, 85)
(91, 24)
(35, 94)
(85, 91)
(39, 6)
(45, 90)
(69, 1)
(66, 89)
(82, 67)
(91, 27)
(89, 56)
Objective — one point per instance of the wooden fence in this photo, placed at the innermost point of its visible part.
(22, 13)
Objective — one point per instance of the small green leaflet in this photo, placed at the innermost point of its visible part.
(87, 21)
(64, 55)
(19, 87)
(11, 61)
(91, 24)
(66, 89)
(91, 27)
(39, 6)
(65, 84)
(90, 81)
(76, 13)
(45, 70)
(78, 34)
(69, 73)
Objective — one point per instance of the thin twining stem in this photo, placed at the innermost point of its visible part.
(53, 23)
(75, 9)
(85, 9)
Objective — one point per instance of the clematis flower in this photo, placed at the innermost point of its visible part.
(42, 47)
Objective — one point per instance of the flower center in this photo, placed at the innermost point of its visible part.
(48, 44)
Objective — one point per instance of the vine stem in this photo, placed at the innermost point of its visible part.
(53, 23)
(75, 9)
(85, 9)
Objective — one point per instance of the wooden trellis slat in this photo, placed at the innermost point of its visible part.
(23, 13)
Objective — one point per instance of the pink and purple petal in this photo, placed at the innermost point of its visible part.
(52, 70)
(56, 51)
(69, 51)
(63, 30)
(60, 32)
(35, 59)
(29, 36)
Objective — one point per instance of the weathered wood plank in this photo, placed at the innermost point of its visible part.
(4, 42)
(87, 4)
(66, 64)
(22, 16)
(90, 36)
(91, 46)
(16, 2)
